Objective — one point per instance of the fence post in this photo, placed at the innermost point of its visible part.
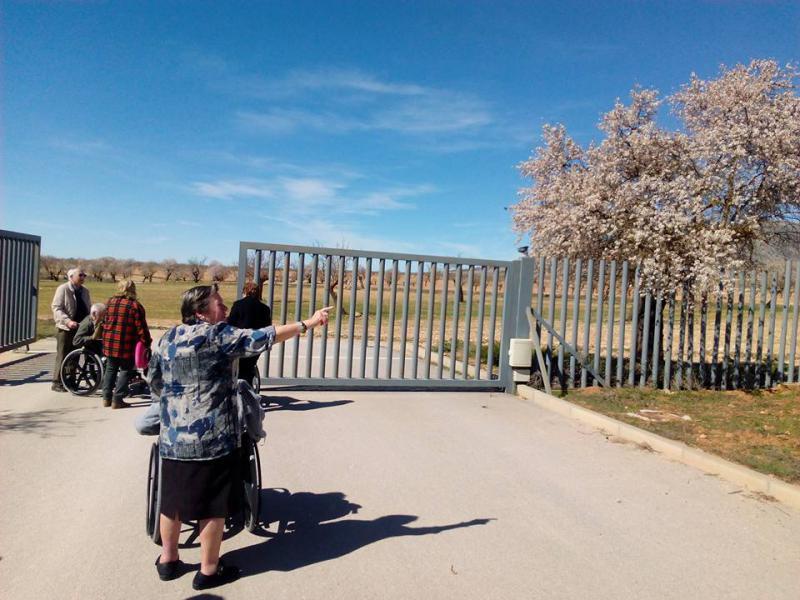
(517, 299)
(242, 268)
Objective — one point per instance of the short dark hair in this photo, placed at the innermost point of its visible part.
(195, 300)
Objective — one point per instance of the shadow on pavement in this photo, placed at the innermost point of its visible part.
(307, 536)
(289, 403)
(46, 423)
(35, 368)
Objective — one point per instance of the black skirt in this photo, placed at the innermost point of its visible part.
(201, 489)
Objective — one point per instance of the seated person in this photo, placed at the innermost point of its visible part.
(90, 330)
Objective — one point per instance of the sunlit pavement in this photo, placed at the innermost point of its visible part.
(390, 495)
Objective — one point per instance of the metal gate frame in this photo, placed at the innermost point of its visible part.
(19, 288)
(517, 284)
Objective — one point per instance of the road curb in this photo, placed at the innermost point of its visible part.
(785, 492)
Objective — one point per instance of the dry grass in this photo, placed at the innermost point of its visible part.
(759, 430)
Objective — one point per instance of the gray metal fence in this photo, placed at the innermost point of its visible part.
(595, 318)
(19, 288)
(398, 320)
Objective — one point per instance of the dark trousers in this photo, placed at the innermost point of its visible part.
(115, 379)
(63, 347)
(247, 368)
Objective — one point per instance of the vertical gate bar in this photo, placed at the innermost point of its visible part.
(681, 339)
(284, 304)
(787, 282)
(598, 333)
(612, 297)
(404, 320)
(271, 298)
(657, 339)
(442, 316)
(311, 310)
(481, 315)
(256, 270)
(751, 311)
(362, 367)
(622, 320)
(551, 312)
(587, 317)
(668, 343)
(432, 271)
(793, 344)
(337, 340)
(392, 313)
(576, 318)
(703, 330)
(376, 355)
(726, 348)
(645, 339)
(492, 323)
(417, 319)
(468, 321)
(454, 336)
(351, 322)
(564, 305)
(298, 308)
(634, 326)
(715, 375)
(12, 281)
(773, 301)
(240, 278)
(539, 293)
(689, 338)
(326, 298)
(761, 322)
(738, 339)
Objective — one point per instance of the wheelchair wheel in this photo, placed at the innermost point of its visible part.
(252, 485)
(256, 383)
(154, 496)
(81, 372)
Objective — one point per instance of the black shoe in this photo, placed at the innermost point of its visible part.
(119, 404)
(171, 570)
(57, 387)
(225, 574)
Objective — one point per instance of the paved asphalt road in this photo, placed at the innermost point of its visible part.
(390, 495)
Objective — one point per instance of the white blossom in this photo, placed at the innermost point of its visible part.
(689, 205)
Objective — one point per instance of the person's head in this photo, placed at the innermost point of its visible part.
(203, 302)
(127, 288)
(97, 311)
(76, 276)
(250, 290)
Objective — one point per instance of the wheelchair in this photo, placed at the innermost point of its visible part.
(82, 373)
(251, 489)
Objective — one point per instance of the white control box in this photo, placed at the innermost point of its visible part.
(520, 353)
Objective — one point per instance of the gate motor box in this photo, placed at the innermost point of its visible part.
(520, 358)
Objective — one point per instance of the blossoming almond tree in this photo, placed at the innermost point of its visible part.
(688, 205)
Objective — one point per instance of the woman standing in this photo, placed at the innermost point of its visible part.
(124, 325)
(249, 313)
(191, 374)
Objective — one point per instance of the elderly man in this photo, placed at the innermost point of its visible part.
(71, 305)
(90, 330)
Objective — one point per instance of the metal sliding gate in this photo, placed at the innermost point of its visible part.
(398, 320)
(19, 288)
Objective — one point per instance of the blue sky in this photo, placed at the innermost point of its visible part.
(176, 129)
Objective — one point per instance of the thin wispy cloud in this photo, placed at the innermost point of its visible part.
(77, 146)
(229, 190)
(303, 195)
(345, 100)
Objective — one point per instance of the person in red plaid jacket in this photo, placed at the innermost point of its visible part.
(124, 326)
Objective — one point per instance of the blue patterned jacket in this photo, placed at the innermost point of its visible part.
(191, 371)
